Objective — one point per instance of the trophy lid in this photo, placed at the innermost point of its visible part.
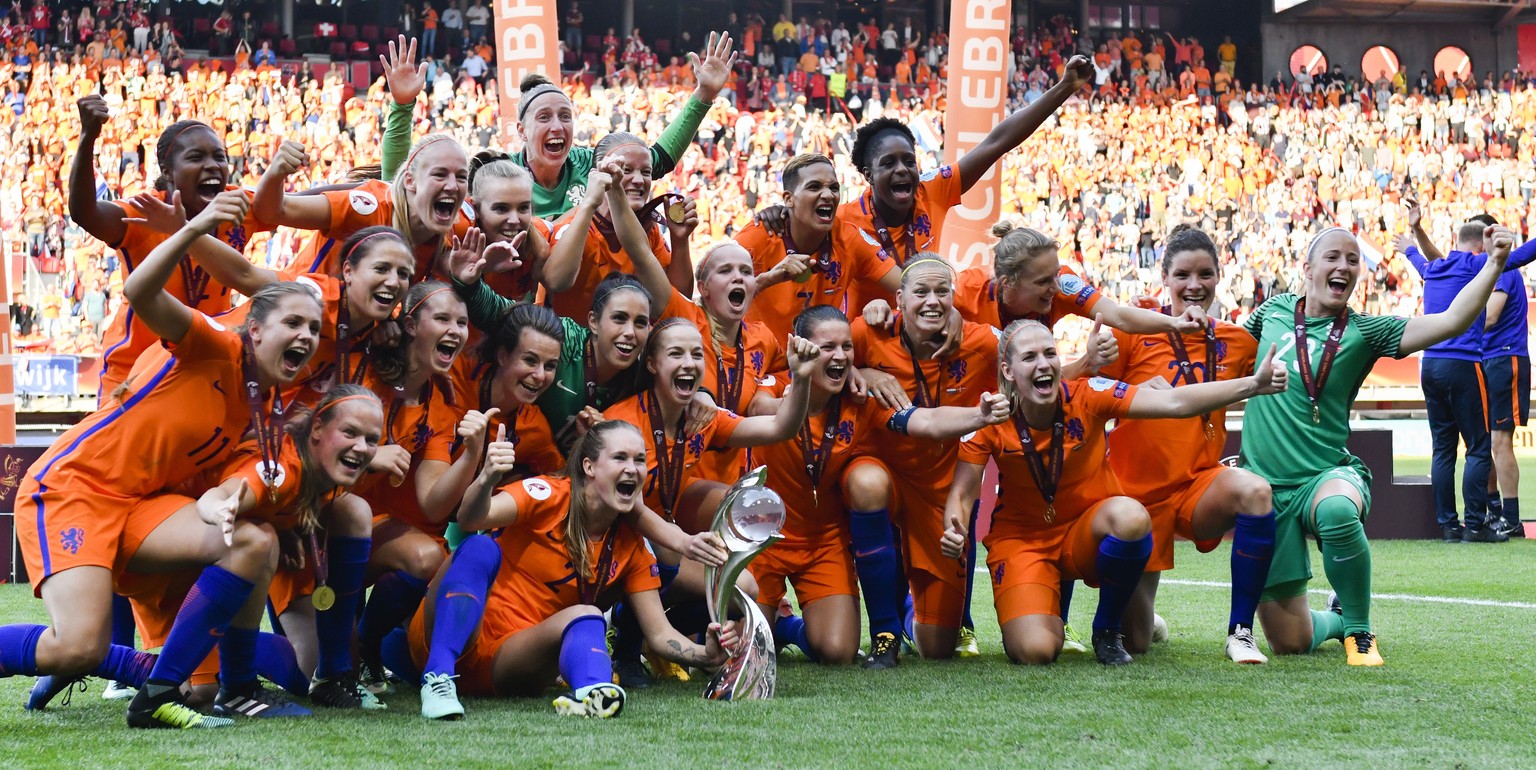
(755, 515)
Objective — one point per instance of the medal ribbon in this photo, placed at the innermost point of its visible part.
(319, 558)
(883, 232)
(589, 593)
(1314, 385)
(646, 213)
(823, 259)
(924, 399)
(1181, 353)
(669, 456)
(816, 456)
(1046, 478)
(589, 371)
(731, 381)
(269, 431)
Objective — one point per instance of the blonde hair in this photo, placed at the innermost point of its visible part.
(589, 447)
(401, 198)
(1005, 386)
(716, 332)
(500, 168)
(1016, 248)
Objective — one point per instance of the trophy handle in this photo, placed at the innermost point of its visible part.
(752, 673)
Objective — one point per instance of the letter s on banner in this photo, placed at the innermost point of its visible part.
(526, 41)
(977, 98)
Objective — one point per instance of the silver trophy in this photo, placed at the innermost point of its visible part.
(748, 520)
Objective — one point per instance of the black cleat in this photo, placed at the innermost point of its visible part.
(1511, 528)
(886, 654)
(1451, 533)
(1483, 535)
(257, 702)
(1109, 648)
(344, 691)
(168, 710)
(632, 674)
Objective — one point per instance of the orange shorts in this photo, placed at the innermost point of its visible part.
(938, 582)
(816, 570)
(1028, 566)
(60, 529)
(440, 537)
(1174, 515)
(475, 668)
(290, 585)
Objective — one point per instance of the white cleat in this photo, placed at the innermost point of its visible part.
(1159, 629)
(117, 691)
(1241, 647)
(600, 700)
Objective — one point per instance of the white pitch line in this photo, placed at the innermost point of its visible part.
(1325, 592)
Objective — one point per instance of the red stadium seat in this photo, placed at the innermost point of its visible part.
(286, 48)
(592, 43)
(370, 33)
(338, 50)
(271, 29)
(202, 27)
(348, 32)
(664, 47)
(390, 33)
(361, 48)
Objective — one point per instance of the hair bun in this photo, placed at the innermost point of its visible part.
(1182, 227)
(533, 80)
(1002, 227)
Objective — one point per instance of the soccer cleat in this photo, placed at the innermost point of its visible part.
(1109, 648)
(168, 711)
(600, 700)
(663, 669)
(1334, 606)
(1159, 628)
(1360, 649)
(48, 687)
(631, 674)
(117, 691)
(1482, 535)
(344, 692)
(886, 654)
(1241, 648)
(1071, 641)
(965, 645)
(1511, 527)
(1451, 533)
(376, 678)
(256, 701)
(440, 698)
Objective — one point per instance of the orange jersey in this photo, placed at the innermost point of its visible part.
(600, 255)
(937, 192)
(370, 203)
(715, 436)
(536, 580)
(518, 284)
(246, 464)
(976, 298)
(1085, 479)
(426, 430)
(321, 373)
(1154, 458)
(126, 336)
(528, 430)
(854, 258)
(819, 517)
(957, 381)
(183, 411)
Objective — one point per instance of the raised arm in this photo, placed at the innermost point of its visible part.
(564, 262)
(405, 79)
(942, 423)
(1423, 331)
(1421, 238)
(1190, 400)
(1017, 127)
(712, 71)
(483, 507)
(145, 290)
(632, 237)
(103, 220)
(786, 422)
(440, 486)
(273, 204)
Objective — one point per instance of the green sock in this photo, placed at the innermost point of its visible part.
(1325, 626)
(1346, 559)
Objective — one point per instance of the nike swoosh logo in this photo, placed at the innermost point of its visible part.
(882, 367)
(1346, 558)
(452, 594)
(1240, 552)
(563, 387)
(1148, 343)
(865, 554)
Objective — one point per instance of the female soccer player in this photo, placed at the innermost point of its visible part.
(424, 481)
(920, 470)
(502, 195)
(514, 365)
(1174, 466)
(193, 168)
(96, 489)
(1060, 511)
(814, 259)
(546, 121)
(819, 464)
(424, 203)
(512, 613)
(586, 247)
(1296, 441)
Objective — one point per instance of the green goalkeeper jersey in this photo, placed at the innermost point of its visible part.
(1280, 441)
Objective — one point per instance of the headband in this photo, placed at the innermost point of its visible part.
(1319, 237)
(915, 263)
(533, 93)
(353, 397)
(159, 158)
(1022, 323)
(430, 139)
(600, 298)
(424, 299)
(360, 243)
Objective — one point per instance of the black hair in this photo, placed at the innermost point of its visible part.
(351, 254)
(509, 331)
(865, 137)
(165, 148)
(814, 316)
(1186, 237)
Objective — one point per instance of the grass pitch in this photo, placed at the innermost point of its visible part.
(1455, 692)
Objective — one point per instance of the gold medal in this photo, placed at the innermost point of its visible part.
(804, 277)
(1317, 416)
(1210, 431)
(1050, 513)
(396, 481)
(815, 500)
(677, 212)
(323, 598)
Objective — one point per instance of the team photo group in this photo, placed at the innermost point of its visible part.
(472, 439)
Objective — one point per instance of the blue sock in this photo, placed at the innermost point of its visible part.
(1066, 599)
(204, 616)
(908, 616)
(126, 665)
(970, 567)
(394, 599)
(18, 649)
(584, 652)
(1120, 564)
(237, 657)
(122, 621)
(347, 558)
(460, 601)
(790, 629)
(277, 663)
(396, 650)
(874, 558)
(1511, 506)
(1253, 545)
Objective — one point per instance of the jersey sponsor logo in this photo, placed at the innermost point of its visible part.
(767, 382)
(1121, 388)
(564, 387)
(278, 473)
(946, 171)
(1070, 284)
(218, 327)
(968, 437)
(1102, 384)
(363, 202)
(537, 488)
(1230, 461)
(1083, 295)
(927, 175)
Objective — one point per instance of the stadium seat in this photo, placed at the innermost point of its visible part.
(286, 48)
(202, 27)
(664, 47)
(338, 50)
(391, 33)
(592, 43)
(271, 30)
(370, 33)
(361, 49)
(348, 32)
